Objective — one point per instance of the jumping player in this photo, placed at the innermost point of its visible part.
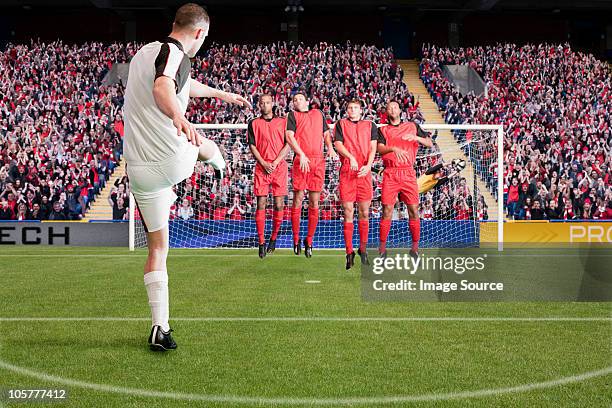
(306, 132)
(439, 174)
(267, 143)
(161, 146)
(398, 143)
(356, 142)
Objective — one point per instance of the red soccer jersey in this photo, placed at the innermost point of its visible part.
(356, 137)
(268, 136)
(397, 136)
(309, 128)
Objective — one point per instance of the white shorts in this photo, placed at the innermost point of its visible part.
(151, 184)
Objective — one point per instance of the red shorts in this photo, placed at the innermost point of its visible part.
(402, 182)
(276, 181)
(353, 188)
(312, 180)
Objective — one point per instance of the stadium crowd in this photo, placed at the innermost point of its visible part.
(556, 107)
(61, 127)
(61, 130)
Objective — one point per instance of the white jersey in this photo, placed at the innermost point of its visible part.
(150, 136)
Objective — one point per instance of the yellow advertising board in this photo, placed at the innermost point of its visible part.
(549, 232)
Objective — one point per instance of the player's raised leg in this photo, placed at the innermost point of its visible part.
(209, 153)
(348, 228)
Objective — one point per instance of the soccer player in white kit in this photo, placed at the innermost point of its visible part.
(161, 146)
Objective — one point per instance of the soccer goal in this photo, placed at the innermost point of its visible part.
(465, 210)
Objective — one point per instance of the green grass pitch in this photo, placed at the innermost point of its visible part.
(224, 362)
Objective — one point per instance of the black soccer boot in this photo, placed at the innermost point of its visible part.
(297, 248)
(414, 255)
(307, 249)
(383, 254)
(262, 251)
(271, 246)
(160, 340)
(350, 260)
(364, 256)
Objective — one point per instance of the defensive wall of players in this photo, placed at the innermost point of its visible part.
(516, 233)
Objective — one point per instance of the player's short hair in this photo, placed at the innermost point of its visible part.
(394, 101)
(191, 15)
(354, 101)
(300, 92)
(267, 94)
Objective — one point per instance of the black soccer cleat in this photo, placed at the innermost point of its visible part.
(350, 260)
(262, 251)
(219, 174)
(383, 254)
(160, 340)
(364, 256)
(414, 255)
(297, 248)
(307, 249)
(271, 246)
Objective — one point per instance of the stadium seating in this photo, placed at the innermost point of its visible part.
(555, 104)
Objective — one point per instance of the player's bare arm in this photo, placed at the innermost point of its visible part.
(304, 161)
(331, 153)
(281, 155)
(343, 151)
(199, 90)
(425, 141)
(165, 98)
(365, 169)
(402, 155)
(268, 166)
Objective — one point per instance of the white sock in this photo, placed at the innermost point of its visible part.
(216, 160)
(156, 283)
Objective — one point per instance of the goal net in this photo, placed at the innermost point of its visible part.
(462, 211)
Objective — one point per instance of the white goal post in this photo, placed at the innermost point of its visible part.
(482, 180)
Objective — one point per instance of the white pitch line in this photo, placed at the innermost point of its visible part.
(237, 399)
(312, 319)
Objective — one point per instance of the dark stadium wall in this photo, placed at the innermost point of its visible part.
(398, 33)
(360, 28)
(70, 25)
(480, 29)
(405, 30)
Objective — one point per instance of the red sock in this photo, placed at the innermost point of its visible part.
(295, 223)
(260, 222)
(277, 221)
(363, 234)
(313, 219)
(415, 232)
(348, 237)
(385, 227)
